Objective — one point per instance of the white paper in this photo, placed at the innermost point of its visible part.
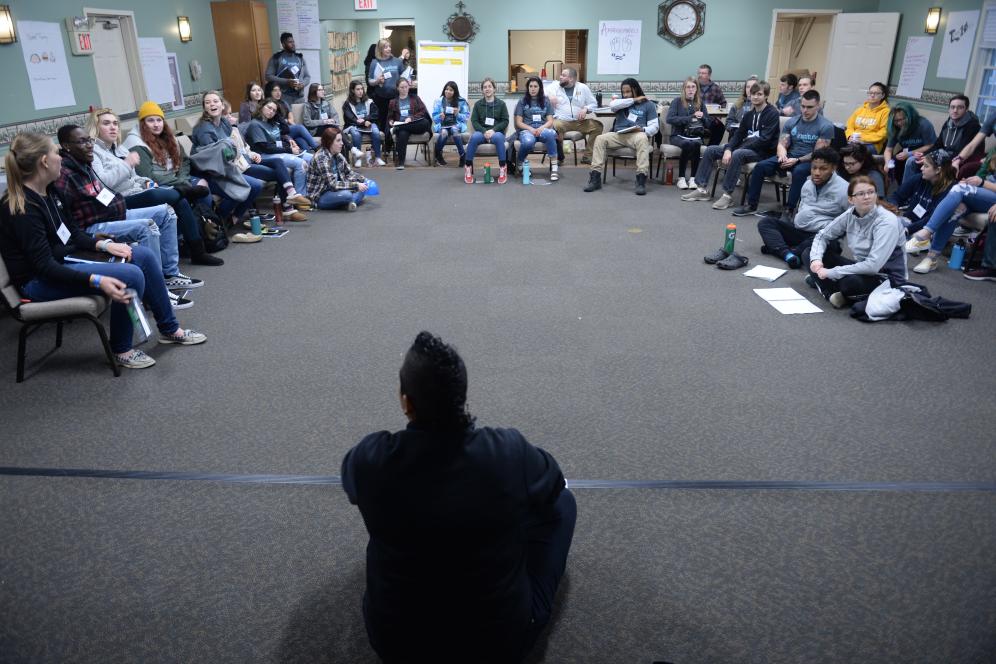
(314, 68)
(619, 47)
(764, 272)
(158, 82)
(300, 18)
(174, 81)
(45, 61)
(795, 307)
(787, 301)
(287, 17)
(914, 71)
(958, 36)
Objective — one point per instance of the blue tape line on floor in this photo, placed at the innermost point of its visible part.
(335, 480)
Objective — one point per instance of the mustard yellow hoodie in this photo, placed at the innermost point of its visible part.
(871, 123)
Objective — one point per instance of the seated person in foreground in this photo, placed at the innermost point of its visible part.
(469, 527)
(823, 199)
(490, 121)
(800, 136)
(332, 183)
(574, 110)
(755, 139)
(450, 113)
(919, 197)
(689, 122)
(406, 116)
(319, 114)
(875, 237)
(36, 235)
(534, 121)
(359, 114)
(869, 123)
(636, 122)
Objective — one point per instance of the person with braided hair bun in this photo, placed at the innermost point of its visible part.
(469, 526)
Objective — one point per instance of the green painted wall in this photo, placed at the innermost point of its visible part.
(742, 27)
(153, 19)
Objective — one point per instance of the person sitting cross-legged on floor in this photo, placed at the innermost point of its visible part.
(332, 183)
(875, 237)
(823, 199)
(801, 135)
(635, 124)
(470, 527)
(755, 139)
(36, 236)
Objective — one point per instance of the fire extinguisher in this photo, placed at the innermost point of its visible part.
(543, 73)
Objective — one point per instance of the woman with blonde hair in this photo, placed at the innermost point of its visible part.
(689, 122)
(383, 75)
(36, 236)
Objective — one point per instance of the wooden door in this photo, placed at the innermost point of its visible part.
(576, 50)
(240, 27)
(861, 47)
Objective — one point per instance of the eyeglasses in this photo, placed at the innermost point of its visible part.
(867, 193)
(851, 162)
(875, 93)
(82, 141)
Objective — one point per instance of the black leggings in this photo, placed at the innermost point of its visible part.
(690, 151)
(854, 287)
(402, 132)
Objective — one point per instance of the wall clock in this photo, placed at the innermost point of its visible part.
(681, 21)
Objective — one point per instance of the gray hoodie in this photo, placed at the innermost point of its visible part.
(110, 166)
(876, 241)
(818, 207)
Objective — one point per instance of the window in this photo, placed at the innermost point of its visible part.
(983, 78)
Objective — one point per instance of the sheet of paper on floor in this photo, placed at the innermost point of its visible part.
(764, 272)
(787, 301)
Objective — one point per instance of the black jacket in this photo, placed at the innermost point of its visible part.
(30, 244)
(766, 124)
(446, 562)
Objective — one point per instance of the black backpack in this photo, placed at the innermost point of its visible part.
(212, 229)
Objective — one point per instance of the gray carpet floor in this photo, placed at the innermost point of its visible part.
(589, 322)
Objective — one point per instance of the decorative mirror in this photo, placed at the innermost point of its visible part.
(461, 26)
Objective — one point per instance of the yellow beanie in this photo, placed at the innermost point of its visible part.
(150, 108)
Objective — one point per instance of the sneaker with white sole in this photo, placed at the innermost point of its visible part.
(554, 173)
(183, 337)
(682, 183)
(928, 264)
(134, 359)
(838, 301)
(180, 281)
(178, 301)
(723, 202)
(380, 162)
(915, 245)
(698, 194)
(351, 207)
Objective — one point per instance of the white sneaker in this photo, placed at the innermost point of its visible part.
(381, 162)
(928, 264)
(682, 184)
(723, 202)
(358, 163)
(554, 174)
(355, 151)
(838, 301)
(697, 194)
(915, 245)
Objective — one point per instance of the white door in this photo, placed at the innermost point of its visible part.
(781, 49)
(110, 64)
(861, 47)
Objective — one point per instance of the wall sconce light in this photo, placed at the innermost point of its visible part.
(933, 20)
(184, 24)
(7, 32)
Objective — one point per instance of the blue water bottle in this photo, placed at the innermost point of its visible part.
(957, 255)
(257, 227)
(525, 172)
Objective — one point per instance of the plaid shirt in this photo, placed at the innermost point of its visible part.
(78, 187)
(712, 94)
(330, 173)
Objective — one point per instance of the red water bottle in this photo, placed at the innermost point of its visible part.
(669, 174)
(278, 212)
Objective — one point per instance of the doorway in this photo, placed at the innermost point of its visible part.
(115, 60)
(800, 43)
(532, 51)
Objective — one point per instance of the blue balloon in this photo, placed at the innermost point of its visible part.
(372, 188)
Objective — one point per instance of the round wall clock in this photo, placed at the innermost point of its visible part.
(681, 21)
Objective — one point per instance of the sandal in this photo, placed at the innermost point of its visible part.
(732, 262)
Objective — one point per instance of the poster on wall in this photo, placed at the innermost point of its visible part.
(152, 53)
(174, 78)
(958, 37)
(300, 18)
(619, 47)
(914, 71)
(317, 73)
(45, 61)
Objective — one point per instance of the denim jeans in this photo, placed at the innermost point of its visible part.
(768, 167)
(142, 230)
(497, 139)
(356, 136)
(230, 206)
(527, 141)
(713, 154)
(142, 273)
(295, 166)
(186, 220)
(943, 223)
(302, 137)
(446, 133)
(331, 200)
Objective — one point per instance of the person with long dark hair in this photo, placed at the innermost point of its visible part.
(406, 116)
(470, 527)
(857, 159)
(869, 123)
(449, 121)
(36, 236)
(285, 115)
(254, 95)
(534, 122)
(359, 115)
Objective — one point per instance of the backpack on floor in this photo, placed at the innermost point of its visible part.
(976, 250)
(212, 229)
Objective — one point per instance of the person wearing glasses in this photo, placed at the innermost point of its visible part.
(875, 237)
(869, 123)
(956, 133)
(800, 137)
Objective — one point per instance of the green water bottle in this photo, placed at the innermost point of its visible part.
(731, 236)
(487, 173)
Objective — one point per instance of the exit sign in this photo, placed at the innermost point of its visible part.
(361, 5)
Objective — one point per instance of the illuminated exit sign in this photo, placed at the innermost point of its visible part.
(365, 4)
